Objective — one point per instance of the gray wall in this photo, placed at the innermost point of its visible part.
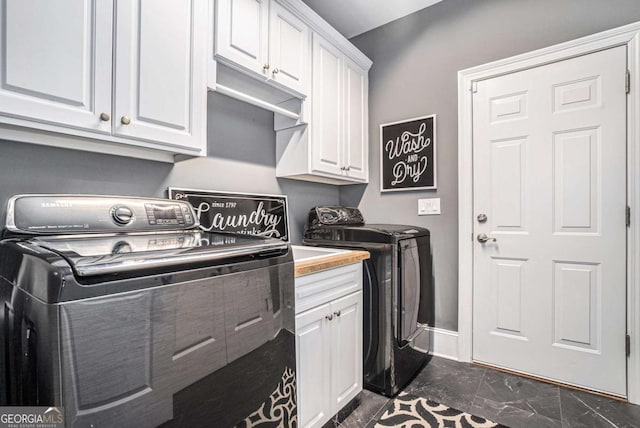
(414, 73)
(241, 158)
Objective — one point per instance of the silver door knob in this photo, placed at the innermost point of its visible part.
(105, 117)
(125, 120)
(265, 67)
(482, 238)
(482, 218)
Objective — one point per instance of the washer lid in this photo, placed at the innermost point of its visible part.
(381, 233)
(107, 254)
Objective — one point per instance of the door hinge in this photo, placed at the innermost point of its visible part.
(627, 82)
(627, 344)
(474, 87)
(627, 216)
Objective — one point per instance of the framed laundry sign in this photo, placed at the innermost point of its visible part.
(253, 214)
(408, 154)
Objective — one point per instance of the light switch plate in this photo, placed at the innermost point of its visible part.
(429, 206)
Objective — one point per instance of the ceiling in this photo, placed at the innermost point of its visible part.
(354, 17)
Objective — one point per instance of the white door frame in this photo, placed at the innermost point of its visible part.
(628, 35)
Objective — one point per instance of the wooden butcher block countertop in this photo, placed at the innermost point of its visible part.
(323, 258)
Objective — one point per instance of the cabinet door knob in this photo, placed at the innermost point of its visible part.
(265, 67)
(329, 317)
(105, 117)
(125, 120)
(275, 71)
(337, 313)
(348, 168)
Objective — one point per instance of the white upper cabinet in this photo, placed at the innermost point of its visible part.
(265, 39)
(288, 49)
(56, 62)
(85, 74)
(356, 121)
(160, 82)
(242, 33)
(335, 147)
(339, 105)
(327, 112)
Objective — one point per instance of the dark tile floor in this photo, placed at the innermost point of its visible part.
(503, 398)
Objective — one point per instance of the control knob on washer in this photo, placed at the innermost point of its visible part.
(122, 215)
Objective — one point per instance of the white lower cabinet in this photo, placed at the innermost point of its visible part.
(328, 343)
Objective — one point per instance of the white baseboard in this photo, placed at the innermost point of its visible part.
(443, 343)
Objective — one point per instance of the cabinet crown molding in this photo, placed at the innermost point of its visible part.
(322, 27)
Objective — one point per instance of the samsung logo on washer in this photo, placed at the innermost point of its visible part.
(57, 204)
(32, 417)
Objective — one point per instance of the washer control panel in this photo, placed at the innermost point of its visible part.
(168, 214)
(63, 214)
(122, 215)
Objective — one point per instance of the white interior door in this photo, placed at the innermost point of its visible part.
(550, 176)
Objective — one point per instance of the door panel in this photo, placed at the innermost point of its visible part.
(196, 318)
(508, 189)
(576, 180)
(248, 317)
(163, 93)
(550, 174)
(288, 49)
(115, 361)
(313, 344)
(356, 120)
(242, 33)
(346, 346)
(56, 62)
(327, 107)
(576, 288)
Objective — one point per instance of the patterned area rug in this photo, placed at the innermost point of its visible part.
(409, 411)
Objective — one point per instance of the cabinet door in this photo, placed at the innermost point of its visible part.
(327, 134)
(242, 34)
(313, 360)
(288, 49)
(356, 121)
(161, 86)
(56, 62)
(346, 350)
